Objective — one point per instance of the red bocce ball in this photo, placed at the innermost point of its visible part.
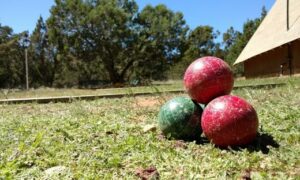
(207, 78)
(229, 121)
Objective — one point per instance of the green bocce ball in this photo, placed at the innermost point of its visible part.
(180, 118)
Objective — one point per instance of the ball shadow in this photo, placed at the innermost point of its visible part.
(198, 140)
(202, 141)
(263, 142)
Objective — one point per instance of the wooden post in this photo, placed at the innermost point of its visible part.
(290, 57)
(289, 49)
(26, 69)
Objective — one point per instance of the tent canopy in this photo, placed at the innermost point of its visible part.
(280, 26)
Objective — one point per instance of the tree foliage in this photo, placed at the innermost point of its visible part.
(163, 34)
(41, 60)
(88, 42)
(110, 40)
(11, 62)
(199, 42)
(236, 41)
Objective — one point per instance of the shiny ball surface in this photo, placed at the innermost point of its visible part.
(179, 118)
(229, 121)
(207, 78)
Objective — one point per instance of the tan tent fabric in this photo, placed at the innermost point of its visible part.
(273, 31)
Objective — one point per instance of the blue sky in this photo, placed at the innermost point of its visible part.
(22, 15)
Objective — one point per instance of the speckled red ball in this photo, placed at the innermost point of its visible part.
(207, 78)
(229, 121)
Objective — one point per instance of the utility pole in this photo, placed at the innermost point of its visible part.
(26, 69)
(25, 42)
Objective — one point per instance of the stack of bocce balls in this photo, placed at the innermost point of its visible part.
(226, 120)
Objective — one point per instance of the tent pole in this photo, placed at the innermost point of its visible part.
(289, 49)
(287, 15)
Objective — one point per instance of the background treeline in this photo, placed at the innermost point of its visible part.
(94, 42)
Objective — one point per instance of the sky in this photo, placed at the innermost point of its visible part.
(22, 15)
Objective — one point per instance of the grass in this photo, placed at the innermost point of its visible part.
(51, 92)
(104, 139)
(155, 87)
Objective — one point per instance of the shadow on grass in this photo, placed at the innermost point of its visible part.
(199, 140)
(262, 142)
(202, 141)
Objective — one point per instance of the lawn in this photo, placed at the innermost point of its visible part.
(157, 86)
(52, 92)
(104, 139)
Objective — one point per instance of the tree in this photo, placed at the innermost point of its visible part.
(162, 38)
(200, 42)
(41, 64)
(110, 40)
(263, 13)
(11, 59)
(230, 37)
(62, 32)
(236, 41)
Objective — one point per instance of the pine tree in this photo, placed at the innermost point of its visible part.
(41, 64)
